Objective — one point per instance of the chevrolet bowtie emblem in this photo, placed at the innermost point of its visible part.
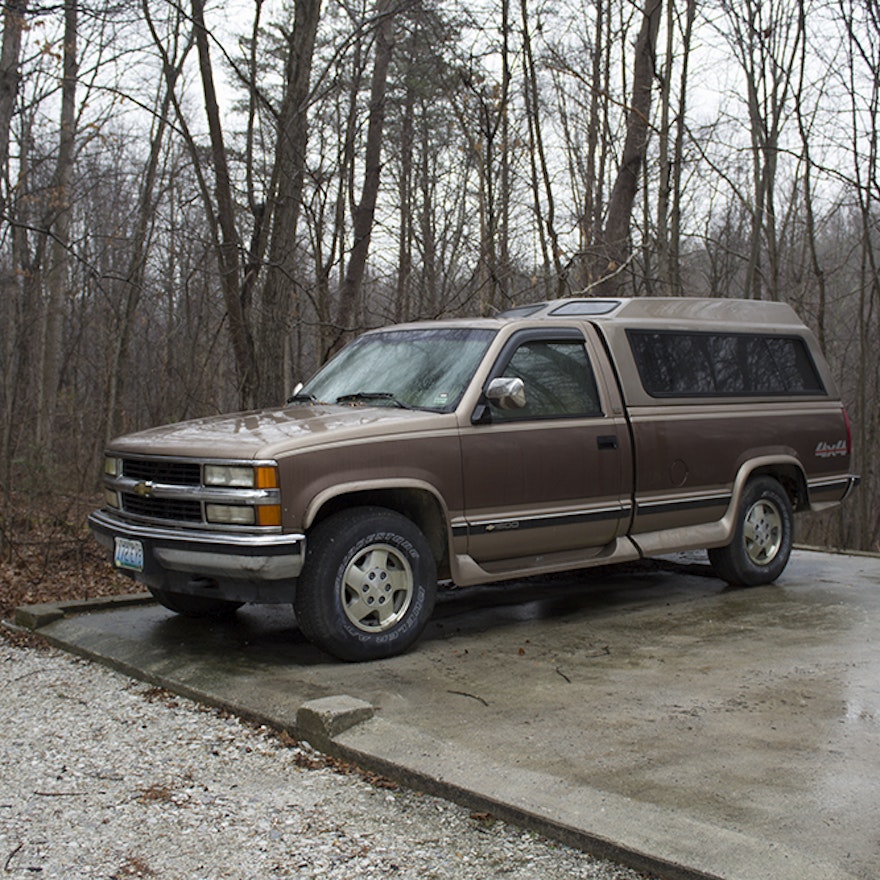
(145, 490)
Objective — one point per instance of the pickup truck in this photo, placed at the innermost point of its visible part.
(555, 436)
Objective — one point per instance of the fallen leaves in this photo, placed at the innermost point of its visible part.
(49, 554)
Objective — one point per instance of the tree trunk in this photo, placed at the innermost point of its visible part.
(10, 76)
(59, 229)
(350, 294)
(555, 283)
(430, 298)
(664, 187)
(13, 25)
(810, 221)
(614, 246)
(678, 156)
(402, 299)
(503, 269)
(278, 301)
(229, 245)
(134, 279)
(671, 154)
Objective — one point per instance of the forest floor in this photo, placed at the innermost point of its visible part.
(48, 554)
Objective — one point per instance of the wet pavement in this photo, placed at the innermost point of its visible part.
(648, 714)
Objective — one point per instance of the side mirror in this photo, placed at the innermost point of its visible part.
(506, 393)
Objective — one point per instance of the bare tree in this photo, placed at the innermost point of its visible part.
(13, 25)
(765, 39)
(366, 208)
(671, 138)
(58, 224)
(861, 30)
(228, 243)
(277, 297)
(615, 243)
(147, 205)
(582, 78)
(542, 188)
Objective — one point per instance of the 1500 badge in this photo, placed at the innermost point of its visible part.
(829, 450)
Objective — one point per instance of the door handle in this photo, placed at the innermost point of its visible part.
(607, 441)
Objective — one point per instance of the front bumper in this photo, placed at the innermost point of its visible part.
(184, 559)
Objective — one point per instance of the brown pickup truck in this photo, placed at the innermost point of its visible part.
(556, 436)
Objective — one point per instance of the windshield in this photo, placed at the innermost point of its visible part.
(424, 368)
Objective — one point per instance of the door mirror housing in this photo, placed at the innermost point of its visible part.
(506, 393)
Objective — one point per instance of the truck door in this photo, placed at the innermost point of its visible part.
(548, 476)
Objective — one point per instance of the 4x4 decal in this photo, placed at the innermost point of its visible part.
(830, 450)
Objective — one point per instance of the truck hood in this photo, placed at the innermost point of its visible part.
(270, 433)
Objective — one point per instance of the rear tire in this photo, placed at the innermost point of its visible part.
(196, 606)
(368, 586)
(762, 541)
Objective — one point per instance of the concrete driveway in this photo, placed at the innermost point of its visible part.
(647, 714)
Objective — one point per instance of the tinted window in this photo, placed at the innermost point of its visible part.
(679, 364)
(558, 378)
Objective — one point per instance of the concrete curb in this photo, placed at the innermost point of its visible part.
(36, 616)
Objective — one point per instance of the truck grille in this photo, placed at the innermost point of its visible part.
(163, 472)
(162, 508)
(168, 491)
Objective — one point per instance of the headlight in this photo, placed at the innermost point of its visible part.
(111, 498)
(230, 514)
(242, 476)
(237, 476)
(112, 466)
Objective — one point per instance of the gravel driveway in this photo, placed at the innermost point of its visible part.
(105, 777)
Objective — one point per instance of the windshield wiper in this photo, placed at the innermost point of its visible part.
(373, 395)
(303, 398)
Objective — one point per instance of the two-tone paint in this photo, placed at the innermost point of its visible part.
(500, 500)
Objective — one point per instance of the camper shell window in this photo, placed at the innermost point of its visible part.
(674, 363)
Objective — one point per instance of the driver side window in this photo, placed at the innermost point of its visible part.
(558, 379)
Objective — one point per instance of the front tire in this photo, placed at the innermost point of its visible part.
(762, 541)
(368, 586)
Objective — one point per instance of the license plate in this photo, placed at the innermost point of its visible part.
(128, 554)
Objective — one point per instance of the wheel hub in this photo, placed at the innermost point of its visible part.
(763, 532)
(377, 588)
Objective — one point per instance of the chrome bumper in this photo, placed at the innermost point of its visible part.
(223, 555)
